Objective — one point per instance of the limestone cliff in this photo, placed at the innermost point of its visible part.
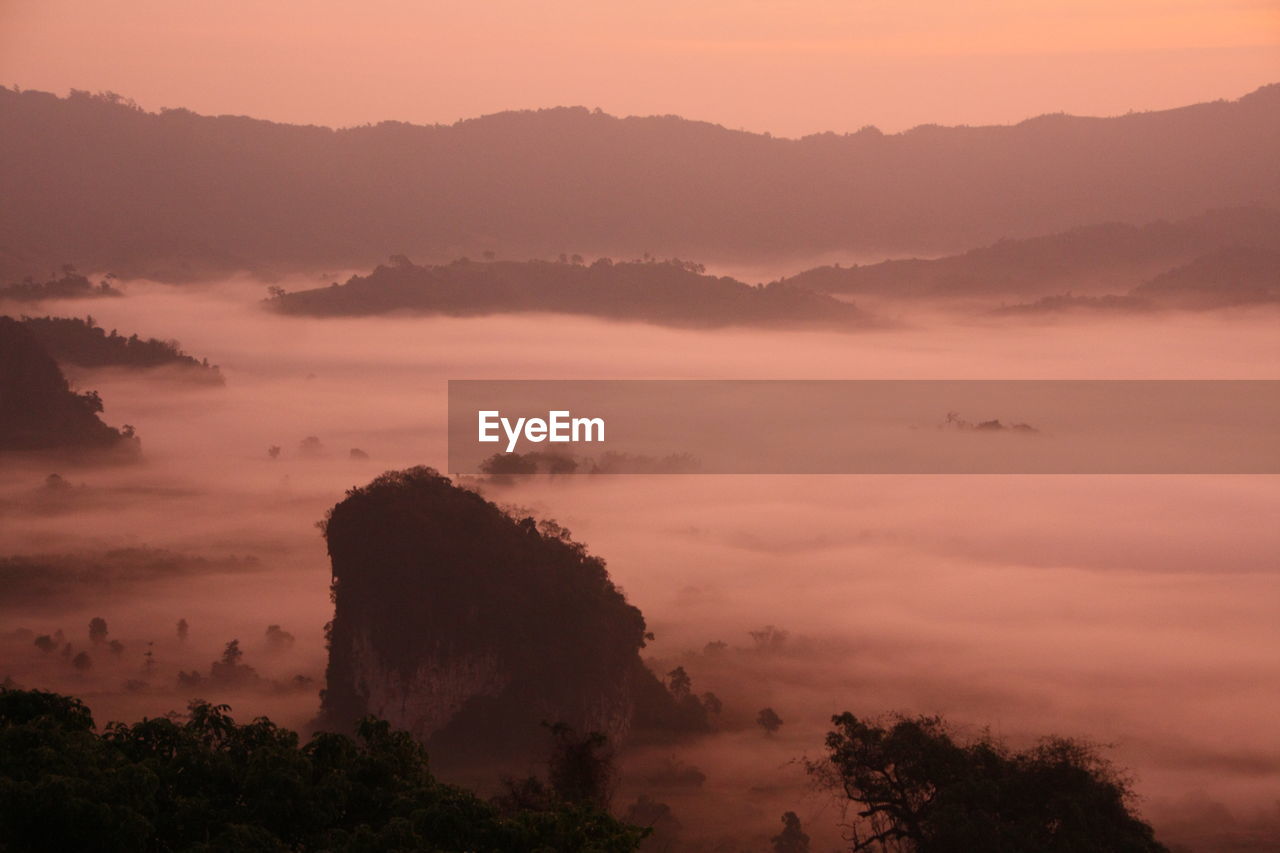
(470, 627)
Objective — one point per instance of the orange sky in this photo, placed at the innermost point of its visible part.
(785, 66)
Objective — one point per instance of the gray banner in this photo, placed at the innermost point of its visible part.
(519, 427)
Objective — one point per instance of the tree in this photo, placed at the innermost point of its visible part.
(581, 769)
(82, 662)
(97, 630)
(663, 826)
(229, 670)
(917, 789)
(769, 720)
(792, 839)
(45, 643)
(205, 782)
(278, 638)
(679, 683)
(769, 638)
(183, 630)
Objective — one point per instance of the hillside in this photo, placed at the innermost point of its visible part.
(1091, 260)
(668, 293)
(69, 286)
(83, 343)
(1233, 276)
(38, 410)
(175, 194)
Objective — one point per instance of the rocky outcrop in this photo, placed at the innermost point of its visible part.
(471, 627)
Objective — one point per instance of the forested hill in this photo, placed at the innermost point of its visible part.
(38, 409)
(97, 182)
(668, 293)
(84, 343)
(1094, 259)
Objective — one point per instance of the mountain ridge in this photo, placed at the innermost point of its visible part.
(102, 184)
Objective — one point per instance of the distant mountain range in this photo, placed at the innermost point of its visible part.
(1224, 256)
(96, 182)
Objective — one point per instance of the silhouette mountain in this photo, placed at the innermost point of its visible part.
(1236, 276)
(96, 181)
(1091, 259)
(1239, 275)
(38, 410)
(470, 627)
(668, 292)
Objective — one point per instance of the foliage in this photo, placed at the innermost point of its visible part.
(792, 839)
(70, 286)
(206, 783)
(41, 411)
(86, 344)
(917, 789)
(769, 720)
(672, 292)
(581, 767)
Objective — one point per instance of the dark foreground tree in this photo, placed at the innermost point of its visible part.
(209, 784)
(919, 790)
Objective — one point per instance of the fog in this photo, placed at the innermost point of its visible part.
(1132, 611)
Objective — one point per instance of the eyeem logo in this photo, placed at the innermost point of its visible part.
(560, 427)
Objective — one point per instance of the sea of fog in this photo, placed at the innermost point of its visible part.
(1138, 612)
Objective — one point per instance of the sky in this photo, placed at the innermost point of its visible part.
(788, 67)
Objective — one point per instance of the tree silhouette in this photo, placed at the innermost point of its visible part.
(205, 782)
(792, 839)
(679, 683)
(581, 769)
(97, 630)
(918, 789)
(769, 720)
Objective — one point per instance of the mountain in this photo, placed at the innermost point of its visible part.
(95, 181)
(669, 293)
(1091, 260)
(470, 627)
(1232, 276)
(38, 410)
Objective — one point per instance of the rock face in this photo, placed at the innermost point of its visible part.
(470, 627)
(38, 410)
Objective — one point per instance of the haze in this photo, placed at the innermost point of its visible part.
(787, 68)
(981, 598)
